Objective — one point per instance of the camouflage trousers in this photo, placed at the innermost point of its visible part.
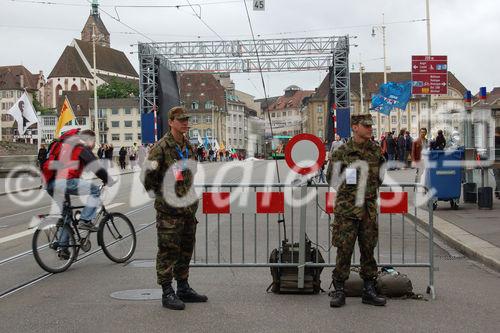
(176, 240)
(344, 234)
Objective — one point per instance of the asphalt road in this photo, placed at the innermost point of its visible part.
(79, 300)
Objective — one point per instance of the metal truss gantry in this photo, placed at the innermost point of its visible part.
(240, 56)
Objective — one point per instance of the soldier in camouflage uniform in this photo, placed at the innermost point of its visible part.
(166, 173)
(354, 170)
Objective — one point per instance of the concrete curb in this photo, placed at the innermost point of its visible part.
(466, 243)
(40, 186)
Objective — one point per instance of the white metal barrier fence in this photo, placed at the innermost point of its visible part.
(241, 223)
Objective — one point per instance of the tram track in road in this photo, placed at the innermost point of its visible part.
(30, 252)
(43, 276)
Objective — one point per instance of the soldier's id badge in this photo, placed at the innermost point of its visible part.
(177, 173)
(350, 176)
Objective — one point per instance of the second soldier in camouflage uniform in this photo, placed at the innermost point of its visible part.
(176, 222)
(359, 161)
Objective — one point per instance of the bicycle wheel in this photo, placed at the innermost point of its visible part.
(54, 247)
(117, 237)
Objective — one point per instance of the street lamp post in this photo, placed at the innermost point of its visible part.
(384, 46)
(96, 120)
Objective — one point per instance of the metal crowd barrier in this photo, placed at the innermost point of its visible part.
(234, 233)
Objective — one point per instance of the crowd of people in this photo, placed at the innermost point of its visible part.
(212, 154)
(406, 150)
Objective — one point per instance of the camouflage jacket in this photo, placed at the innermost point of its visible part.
(353, 200)
(159, 176)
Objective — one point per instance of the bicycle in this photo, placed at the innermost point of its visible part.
(57, 245)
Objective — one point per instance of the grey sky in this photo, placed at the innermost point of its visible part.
(36, 34)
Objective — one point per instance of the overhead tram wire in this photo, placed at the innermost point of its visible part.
(124, 24)
(263, 84)
(203, 21)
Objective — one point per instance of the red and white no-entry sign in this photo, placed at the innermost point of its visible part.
(305, 153)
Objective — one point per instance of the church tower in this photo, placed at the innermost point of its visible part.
(94, 22)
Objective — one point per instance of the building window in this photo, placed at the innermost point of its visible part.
(394, 119)
(413, 107)
(273, 115)
(194, 105)
(115, 137)
(115, 111)
(139, 136)
(283, 114)
(209, 105)
(128, 123)
(374, 132)
(82, 121)
(193, 120)
(138, 124)
(115, 124)
(234, 130)
(208, 132)
(129, 137)
(320, 121)
(208, 118)
(319, 109)
(103, 138)
(320, 134)
(414, 119)
(403, 119)
(239, 118)
(47, 121)
(128, 111)
(423, 105)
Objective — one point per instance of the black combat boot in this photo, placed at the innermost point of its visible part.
(370, 295)
(169, 299)
(187, 294)
(338, 296)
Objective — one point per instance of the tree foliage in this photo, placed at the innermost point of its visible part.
(117, 89)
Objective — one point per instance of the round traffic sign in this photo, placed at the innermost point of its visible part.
(305, 153)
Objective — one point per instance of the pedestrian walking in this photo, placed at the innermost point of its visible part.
(391, 150)
(122, 155)
(42, 155)
(401, 143)
(176, 226)
(408, 146)
(416, 153)
(100, 151)
(108, 155)
(360, 160)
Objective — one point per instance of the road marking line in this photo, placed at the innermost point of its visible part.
(24, 212)
(16, 236)
(114, 205)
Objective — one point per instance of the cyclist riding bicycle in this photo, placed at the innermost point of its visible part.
(74, 157)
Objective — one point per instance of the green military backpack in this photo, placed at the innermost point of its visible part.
(285, 279)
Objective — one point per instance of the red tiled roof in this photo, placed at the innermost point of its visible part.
(10, 78)
(193, 85)
(107, 59)
(70, 64)
(292, 101)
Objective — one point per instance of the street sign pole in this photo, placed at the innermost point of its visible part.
(429, 75)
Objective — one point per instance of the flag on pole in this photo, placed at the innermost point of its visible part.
(24, 113)
(65, 116)
(222, 147)
(482, 93)
(200, 141)
(216, 144)
(392, 95)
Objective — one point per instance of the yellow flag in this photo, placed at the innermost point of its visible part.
(65, 116)
(222, 147)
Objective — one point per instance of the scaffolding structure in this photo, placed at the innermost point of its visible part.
(246, 56)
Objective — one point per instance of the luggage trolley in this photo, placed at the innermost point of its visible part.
(443, 176)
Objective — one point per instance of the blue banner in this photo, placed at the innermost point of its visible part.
(148, 127)
(392, 95)
(344, 122)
